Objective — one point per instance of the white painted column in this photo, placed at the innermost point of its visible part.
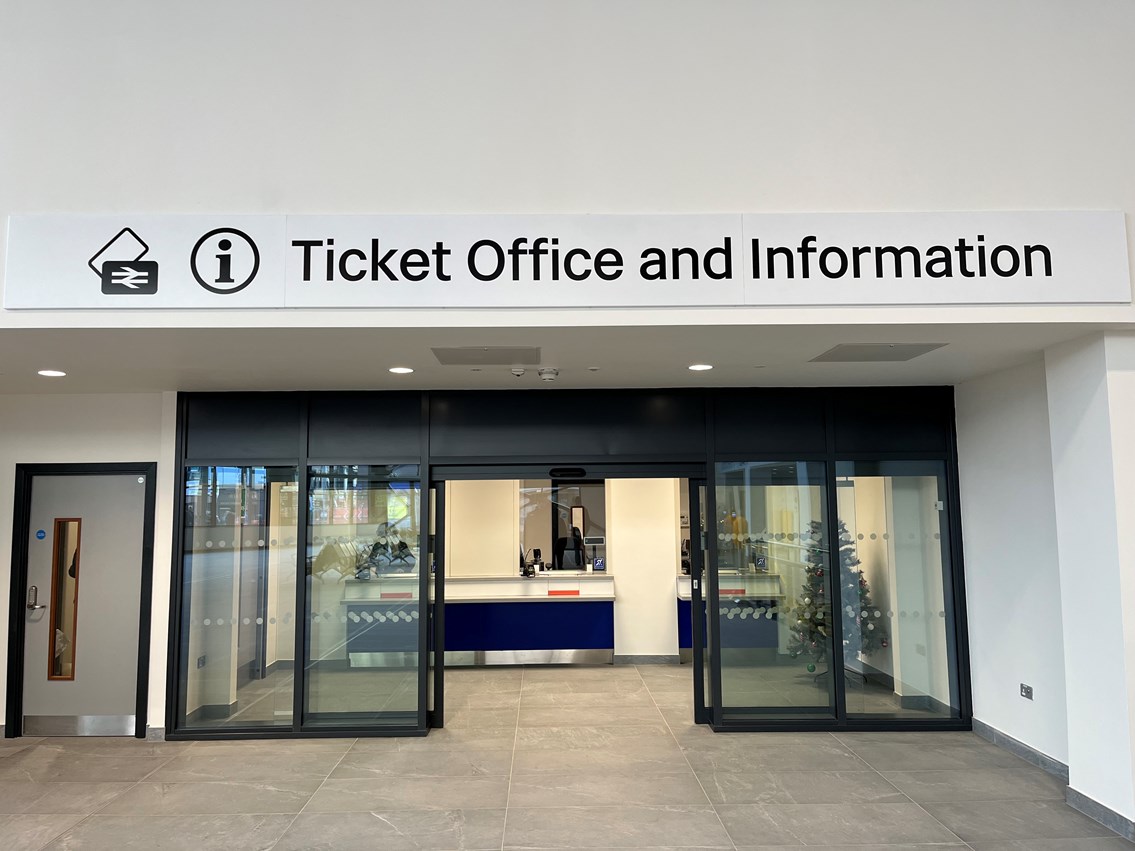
(1091, 409)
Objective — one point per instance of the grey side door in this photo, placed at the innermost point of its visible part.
(81, 614)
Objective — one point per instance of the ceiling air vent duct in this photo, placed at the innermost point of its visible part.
(488, 356)
(875, 352)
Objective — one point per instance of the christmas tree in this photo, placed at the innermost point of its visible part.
(863, 626)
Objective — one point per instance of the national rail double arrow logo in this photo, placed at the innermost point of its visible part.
(120, 266)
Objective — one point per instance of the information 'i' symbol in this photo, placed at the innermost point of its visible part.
(225, 261)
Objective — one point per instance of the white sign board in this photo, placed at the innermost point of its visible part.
(497, 261)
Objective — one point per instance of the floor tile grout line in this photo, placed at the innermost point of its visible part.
(512, 764)
(338, 762)
(689, 765)
(90, 815)
(897, 789)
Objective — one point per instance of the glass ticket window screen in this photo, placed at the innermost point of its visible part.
(64, 598)
(505, 527)
(238, 598)
(895, 572)
(579, 525)
(364, 603)
(774, 616)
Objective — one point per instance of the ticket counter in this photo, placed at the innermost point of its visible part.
(551, 572)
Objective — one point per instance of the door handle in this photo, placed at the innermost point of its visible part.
(33, 599)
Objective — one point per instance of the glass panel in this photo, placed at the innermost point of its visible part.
(238, 596)
(895, 570)
(64, 598)
(363, 597)
(774, 614)
(579, 526)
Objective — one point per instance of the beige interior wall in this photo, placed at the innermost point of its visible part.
(281, 622)
(862, 508)
(538, 522)
(482, 536)
(643, 541)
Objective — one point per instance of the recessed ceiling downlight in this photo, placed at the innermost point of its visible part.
(700, 367)
(52, 373)
(401, 370)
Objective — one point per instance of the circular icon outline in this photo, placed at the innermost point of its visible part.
(255, 261)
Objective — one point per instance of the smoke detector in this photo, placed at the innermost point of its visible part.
(518, 371)
(548, 373)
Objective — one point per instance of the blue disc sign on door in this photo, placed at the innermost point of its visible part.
(40, 535)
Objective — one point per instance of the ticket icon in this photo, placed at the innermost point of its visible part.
(120, 266)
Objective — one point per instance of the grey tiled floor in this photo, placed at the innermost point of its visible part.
(542, 758)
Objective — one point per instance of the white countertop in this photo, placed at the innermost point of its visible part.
(553, 586)
(545, 574)
(591, 598)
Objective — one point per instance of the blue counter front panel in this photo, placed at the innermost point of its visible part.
(735, 631)
(397, 632)
(520, 625)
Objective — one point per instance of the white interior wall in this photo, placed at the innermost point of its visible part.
(1041, 79)
(1089, 534)
(592, 106)
(92, 429)
(1120, 359)
(1011, 561)
(643, 540)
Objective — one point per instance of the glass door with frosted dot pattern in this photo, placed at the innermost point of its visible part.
(896, 590)
(773, 572)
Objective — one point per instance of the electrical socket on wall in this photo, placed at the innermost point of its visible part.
(201, 663)
(1026, 692)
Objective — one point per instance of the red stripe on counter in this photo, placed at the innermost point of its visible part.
(397, 595)
(563, 593)
(736, 592)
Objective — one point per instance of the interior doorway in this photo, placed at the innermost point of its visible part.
(80, 600)
(559, 566)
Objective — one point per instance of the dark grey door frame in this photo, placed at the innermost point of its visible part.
(21, 528)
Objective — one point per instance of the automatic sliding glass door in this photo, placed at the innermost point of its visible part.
(773, 615)
(435, 564)
(814, 621)
(699, 593)
(362, 659)
(899, 649)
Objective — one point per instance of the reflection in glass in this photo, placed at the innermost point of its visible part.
(563, 526)
(64, 598)
(774, 617)
(238, 598)
(363, 599)
(895, 572)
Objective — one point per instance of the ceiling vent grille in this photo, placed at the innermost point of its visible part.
(488, 356)
(875, 352)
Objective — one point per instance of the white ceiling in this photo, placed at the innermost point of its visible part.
(147, 360)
